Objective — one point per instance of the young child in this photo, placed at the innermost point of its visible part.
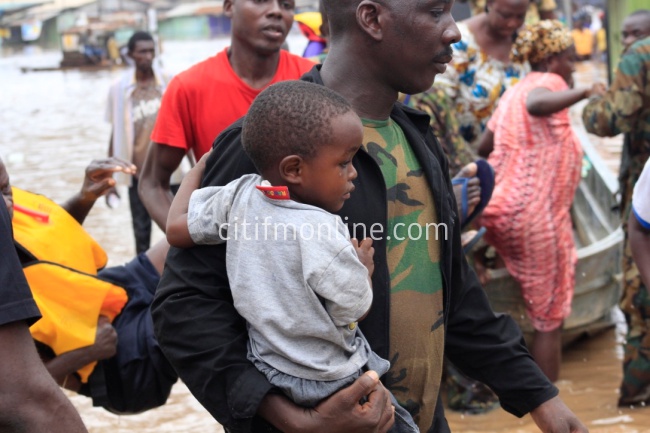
(296, 277)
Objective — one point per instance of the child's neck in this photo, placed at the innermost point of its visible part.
(276, 180)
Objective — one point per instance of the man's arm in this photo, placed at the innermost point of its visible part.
(490, 348)
(486, 143)
(618, 110)
(154, 190)
(98, 180)
(65, 364)
(342, 410)
(553, 416)
(30, 400)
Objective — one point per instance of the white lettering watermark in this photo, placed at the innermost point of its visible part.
(281, 231)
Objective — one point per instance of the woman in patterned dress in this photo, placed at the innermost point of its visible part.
(480, 71)
(459, 104)
(537, 158)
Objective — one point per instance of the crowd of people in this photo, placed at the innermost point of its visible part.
(357, 328)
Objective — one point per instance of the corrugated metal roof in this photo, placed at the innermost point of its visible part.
(6, 7)
(198, 8)
(43, 11)
(215, 7)
(59, 5)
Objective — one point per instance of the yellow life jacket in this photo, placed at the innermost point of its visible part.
(62, 274)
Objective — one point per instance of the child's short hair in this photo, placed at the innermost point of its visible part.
(290, 118)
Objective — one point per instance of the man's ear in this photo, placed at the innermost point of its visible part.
(370, 17)
(227, 8)
(291, 168)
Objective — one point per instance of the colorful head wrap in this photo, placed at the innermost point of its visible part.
(536, 42)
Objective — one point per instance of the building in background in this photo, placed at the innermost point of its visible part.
(44, 22)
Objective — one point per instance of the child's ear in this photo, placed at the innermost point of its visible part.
(291, 168)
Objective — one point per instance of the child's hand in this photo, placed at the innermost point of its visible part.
(204, 157)
(200, 165)
(366, 252)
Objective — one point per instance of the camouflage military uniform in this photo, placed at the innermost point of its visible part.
(626, 108)
(463, 393)
(437, 104)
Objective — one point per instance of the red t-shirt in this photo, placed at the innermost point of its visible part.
(202, 101)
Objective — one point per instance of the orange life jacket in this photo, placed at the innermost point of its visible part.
(62, 274)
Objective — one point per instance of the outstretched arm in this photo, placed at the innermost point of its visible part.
(155, 176)
(178, 233)
(98, 181)
(543, 102)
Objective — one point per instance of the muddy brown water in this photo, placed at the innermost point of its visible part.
(51, 126)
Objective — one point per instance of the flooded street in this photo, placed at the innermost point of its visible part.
(51, 127)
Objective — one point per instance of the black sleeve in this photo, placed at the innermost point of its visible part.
(16, 301)
(486, 346)
(195, 320)
(490, 347)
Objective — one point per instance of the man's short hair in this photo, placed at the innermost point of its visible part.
(138, 36)
(340, 14)
(643, 13)
(290, 118)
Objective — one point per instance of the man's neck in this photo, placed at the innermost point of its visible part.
(483, 32)
(370, 98)
(255, 69)
(142, 76)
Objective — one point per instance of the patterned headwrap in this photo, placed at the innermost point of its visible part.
(536, 42)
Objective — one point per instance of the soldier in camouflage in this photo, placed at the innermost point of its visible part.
(625, 108)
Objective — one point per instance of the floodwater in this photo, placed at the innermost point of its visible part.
(51, 127)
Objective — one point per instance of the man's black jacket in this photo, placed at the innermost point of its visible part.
(201, 333)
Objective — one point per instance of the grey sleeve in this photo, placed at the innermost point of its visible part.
(207, 214)
(345, 288)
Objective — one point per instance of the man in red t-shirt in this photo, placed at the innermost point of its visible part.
(202, 101)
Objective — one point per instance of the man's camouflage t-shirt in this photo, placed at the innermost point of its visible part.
(416, 311)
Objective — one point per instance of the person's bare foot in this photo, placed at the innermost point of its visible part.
(473, 189)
